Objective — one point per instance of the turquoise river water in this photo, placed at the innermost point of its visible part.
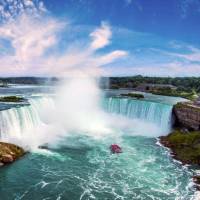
(81, 166)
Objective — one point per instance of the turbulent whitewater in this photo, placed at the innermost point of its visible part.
(80, 165)
(28, 119)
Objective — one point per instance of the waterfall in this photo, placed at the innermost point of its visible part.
(154, 112)
(19, 122)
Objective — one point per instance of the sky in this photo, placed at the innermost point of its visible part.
(102, 37)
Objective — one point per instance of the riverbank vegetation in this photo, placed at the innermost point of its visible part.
(185, 145)
(13, 99)
(186, 84)
(191, 95)
(186, 87)
(29, 80)
(133, 95)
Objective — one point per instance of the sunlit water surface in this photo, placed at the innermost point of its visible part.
(82, 167)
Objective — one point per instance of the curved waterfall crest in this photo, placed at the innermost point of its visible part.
(17, 122)
(158, 113)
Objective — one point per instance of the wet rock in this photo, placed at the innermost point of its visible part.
(6, 158)
(44, 146)
(196, 180)
(9, 153)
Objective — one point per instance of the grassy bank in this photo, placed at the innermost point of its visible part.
(14, 99)
(175, 93)
(185, 146)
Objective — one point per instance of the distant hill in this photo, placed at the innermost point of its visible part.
(186, 84)
(28, 80)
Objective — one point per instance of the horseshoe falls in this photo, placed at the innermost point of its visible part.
(76, 165)
(157, 113)
(24, 119)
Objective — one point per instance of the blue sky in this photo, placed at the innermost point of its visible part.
(173, 19)
(148, 37)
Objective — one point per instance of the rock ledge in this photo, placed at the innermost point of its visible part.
(187, 115)
(9, 153)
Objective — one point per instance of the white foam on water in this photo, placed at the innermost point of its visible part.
(196, 196)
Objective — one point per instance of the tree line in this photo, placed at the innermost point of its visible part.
(186, 84)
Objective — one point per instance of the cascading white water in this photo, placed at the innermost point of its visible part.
(26, 125)
(18, 124)
(157, 113)
(14, 122)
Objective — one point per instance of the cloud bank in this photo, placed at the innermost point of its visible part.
(10, 9)
(27, 41)
(32, 43)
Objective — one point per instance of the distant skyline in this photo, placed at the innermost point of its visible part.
(107, 37)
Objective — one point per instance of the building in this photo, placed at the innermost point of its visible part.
(149, 87)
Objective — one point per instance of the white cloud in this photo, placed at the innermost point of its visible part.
(10, 9)
(101, 36)
(186, 52)
(110, 57)
(31, 37)
(28, 3)
(194, 55)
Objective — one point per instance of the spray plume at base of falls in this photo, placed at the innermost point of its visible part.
(79, 107)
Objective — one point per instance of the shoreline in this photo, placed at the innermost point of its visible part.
(162, 142)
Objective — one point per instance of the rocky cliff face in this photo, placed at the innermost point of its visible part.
(187, 115)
